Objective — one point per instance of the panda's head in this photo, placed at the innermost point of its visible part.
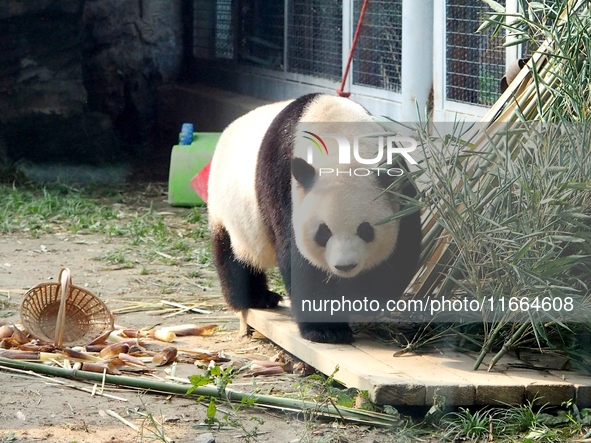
(336, 220)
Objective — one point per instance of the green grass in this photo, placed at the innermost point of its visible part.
(34, 211)
(39, 210)
(513, 423)
(465, 425)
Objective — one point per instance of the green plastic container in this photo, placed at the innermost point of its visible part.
(185, 162)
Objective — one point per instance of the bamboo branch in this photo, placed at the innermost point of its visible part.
(267, 401)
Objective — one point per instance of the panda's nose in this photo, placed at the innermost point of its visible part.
(346, 268)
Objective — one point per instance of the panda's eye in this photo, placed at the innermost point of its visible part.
(323, 234)
(365, 232)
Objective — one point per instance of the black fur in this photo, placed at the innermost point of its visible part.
(327, 332)
(323, 235)
(304, 173)
(366, 232)
(273, 180)
(245, 287)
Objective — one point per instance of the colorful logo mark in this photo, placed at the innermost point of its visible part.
(318, 142)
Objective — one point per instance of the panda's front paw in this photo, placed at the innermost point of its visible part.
(326, 332)
(268, 300)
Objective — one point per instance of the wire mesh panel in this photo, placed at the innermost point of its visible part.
(475, 63)
(314, 38)
(204, 29)
(378, 55)
(261, 33)
(224, 33)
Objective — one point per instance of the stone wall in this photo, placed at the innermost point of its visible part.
(78, 77)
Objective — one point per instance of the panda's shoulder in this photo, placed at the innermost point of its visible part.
(331, 108)
(278, 136)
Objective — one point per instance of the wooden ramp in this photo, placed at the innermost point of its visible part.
(414, 378)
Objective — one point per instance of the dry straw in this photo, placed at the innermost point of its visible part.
(63, 313)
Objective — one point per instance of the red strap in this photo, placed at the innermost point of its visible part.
(340, 91)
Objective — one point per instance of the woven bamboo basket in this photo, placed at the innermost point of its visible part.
(64, 314)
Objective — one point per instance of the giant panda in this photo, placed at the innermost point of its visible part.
(269, 207)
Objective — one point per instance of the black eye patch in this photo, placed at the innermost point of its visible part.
(323, 234)
(366, 232)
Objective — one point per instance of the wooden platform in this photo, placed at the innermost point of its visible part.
(414, 378)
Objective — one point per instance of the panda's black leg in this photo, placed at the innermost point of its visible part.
(326, 332)
(243, 287)
(307, 283)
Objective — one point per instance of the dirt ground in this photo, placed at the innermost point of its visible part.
(56, 410)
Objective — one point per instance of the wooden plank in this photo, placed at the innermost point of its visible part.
(581, 383)
(385, 384)
(385, 391)
(415, 378)
(542, 385)
(436, 380)
(490, 388)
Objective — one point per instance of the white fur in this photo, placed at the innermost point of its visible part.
(343, 203)
(232, 199)
(339, 202)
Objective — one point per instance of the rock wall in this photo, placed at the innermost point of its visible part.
(78, 77)
(130, 48)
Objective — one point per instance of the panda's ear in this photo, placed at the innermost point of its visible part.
(303, 172)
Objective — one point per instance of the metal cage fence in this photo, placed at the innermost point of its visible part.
(260, 33)
(306, 37)
(249, 31)
(378, 55)
(214, 33)
(314, 38)
(204, 19)
(475, 63)
(224, 35)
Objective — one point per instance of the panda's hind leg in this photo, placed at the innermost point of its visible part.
(326, 332)
(243, 286)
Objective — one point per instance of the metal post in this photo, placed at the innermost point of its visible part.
(348, 24)
(417, 58)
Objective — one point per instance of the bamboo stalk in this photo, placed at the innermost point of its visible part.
(507, 345)
(122, 420)
(324, 410)
(185, 307)
(486, 348)
(50, 380)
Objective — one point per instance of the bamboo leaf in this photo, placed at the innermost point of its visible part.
(493, 20)
(497, 7)
(516, 40)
